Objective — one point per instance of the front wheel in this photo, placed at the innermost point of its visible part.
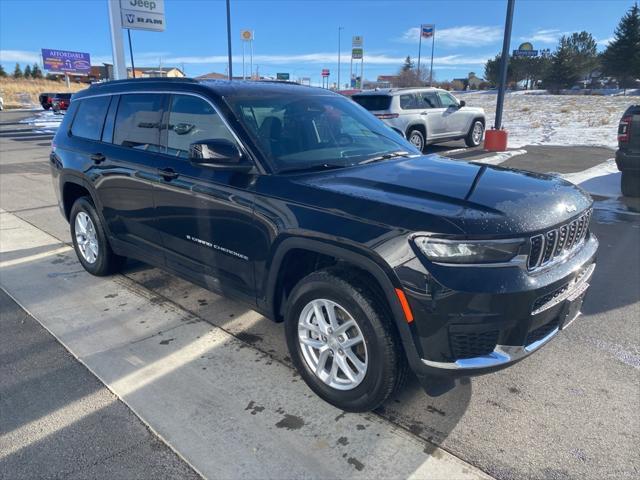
(89, 240)
(342, 342)
(476, 132)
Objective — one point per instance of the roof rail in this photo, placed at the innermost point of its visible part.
(145, 80)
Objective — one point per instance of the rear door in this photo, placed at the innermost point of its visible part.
(433, 114)
(456, 119)
(205, 215)
(128, 170)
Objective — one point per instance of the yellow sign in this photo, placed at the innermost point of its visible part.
(246, 35)
(525, 46)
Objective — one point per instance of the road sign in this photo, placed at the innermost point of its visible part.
(525, 53)
(143, 14)
(356, 53)
(282, 76)
(246, 35)
(325, 72)
(61, 61)
(525, 46)
(357, 41)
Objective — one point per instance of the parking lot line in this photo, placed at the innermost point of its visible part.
(226, 408)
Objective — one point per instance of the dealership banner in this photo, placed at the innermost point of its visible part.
(62, 61)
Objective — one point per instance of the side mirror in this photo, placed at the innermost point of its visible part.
(218, 153)
(462, 103)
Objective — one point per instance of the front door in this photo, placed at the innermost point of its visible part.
(205, 215)
(456, 120)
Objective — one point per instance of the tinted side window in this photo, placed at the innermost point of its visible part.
(409, 102)
(192, 119)
(138, 121)
(430, 100)
(89, 119)
(447, 100)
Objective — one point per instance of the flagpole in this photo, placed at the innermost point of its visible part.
(419, 51)
(433, 42)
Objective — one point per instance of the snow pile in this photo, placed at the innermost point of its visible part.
(44, 122)
(537, 118)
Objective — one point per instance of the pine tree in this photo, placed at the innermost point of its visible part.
(27, 72)
(17, 72)
(3, 74)
(564, 70)
(35, 71)
(621, 59)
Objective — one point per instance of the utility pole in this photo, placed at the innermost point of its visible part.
(504, 62)
(229, 40)
(339, 30)
(133, 67)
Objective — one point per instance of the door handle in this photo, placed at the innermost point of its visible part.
(168, 173)
(98, 158)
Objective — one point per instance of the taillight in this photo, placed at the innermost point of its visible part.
(384, 116)
(624, 129)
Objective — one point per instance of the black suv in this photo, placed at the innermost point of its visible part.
(304, 206)
(628, 154)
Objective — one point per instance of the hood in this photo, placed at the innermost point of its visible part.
(478, 199)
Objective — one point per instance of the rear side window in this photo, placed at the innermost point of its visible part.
(89, 119)
(409, 101)
(373, 102)
(138, 121)
(192, 119)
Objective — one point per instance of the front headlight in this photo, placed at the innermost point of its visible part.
(468, 251)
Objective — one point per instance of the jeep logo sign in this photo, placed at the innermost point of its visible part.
(143, 14)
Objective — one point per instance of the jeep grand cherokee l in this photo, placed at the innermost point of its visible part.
(301, 204)
(425, 115)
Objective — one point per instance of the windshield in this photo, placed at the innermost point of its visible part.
(303, 131)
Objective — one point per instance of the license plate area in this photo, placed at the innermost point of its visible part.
(572, 305)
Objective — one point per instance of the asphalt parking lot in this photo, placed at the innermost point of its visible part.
(570, 411)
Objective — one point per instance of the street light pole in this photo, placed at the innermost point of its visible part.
(504, 63)
(339, 48)
(229, 39)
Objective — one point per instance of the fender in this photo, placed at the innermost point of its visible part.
(70, 176)
(417, 124)
(376, 267)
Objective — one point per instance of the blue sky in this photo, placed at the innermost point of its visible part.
(301, 36)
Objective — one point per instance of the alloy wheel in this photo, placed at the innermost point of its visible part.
(332, 344)
(86, 237)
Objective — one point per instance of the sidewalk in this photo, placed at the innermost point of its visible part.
(228, 409)
(58, 420)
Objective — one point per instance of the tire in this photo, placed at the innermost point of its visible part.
(85, 225)
(474, 138)
(630, 184)
(379, 348)
(416, 138)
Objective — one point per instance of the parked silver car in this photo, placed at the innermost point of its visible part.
(425, 115)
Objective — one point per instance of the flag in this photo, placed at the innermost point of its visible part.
(427, 30)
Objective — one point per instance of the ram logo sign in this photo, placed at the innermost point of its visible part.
(143, 14)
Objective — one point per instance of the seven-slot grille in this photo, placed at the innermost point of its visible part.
(559, 241)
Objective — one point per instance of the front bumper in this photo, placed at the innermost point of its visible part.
(471, 321)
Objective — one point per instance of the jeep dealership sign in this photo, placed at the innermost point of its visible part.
(143, 14)
(61, 61)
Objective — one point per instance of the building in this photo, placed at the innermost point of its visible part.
(212, 76)
(147, 72)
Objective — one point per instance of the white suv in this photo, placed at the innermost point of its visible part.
(425, 115)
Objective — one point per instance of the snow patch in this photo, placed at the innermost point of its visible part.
(498, 158)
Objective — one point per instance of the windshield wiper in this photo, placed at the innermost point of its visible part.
(385, 156)
(312, 168)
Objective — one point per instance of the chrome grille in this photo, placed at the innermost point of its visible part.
(558, 242)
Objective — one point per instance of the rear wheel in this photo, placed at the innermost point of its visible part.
(630, 184)
(342, 342)
(476, 132)
(89, 240)
(417, 139)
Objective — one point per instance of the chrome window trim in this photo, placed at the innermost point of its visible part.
(242, 146)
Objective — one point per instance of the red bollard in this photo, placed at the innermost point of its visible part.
(495, 140)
